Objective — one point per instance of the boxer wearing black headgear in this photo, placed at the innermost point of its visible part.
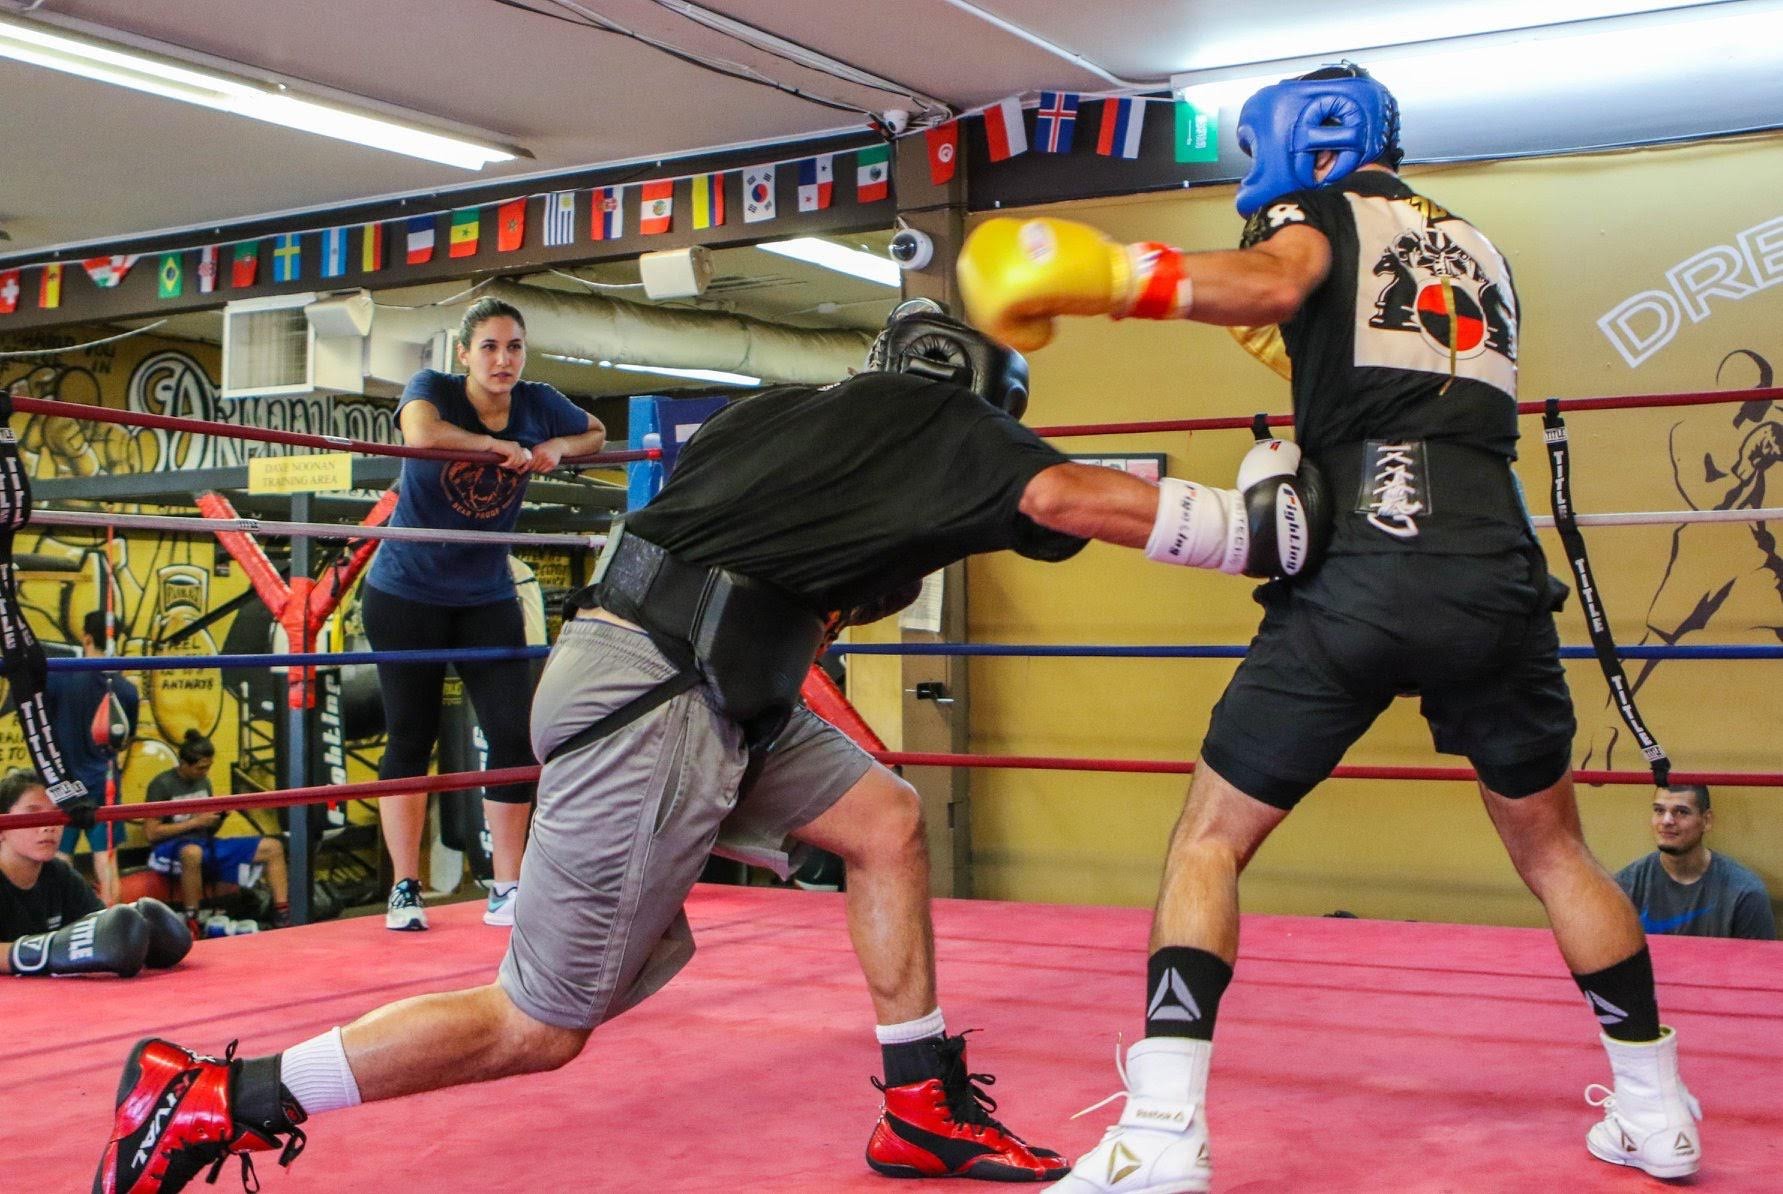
(921, 338)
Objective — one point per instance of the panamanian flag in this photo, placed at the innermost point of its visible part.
(1123, 123)
(1057, 120)
(817, 180)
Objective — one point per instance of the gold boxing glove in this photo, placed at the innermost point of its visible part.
(1016, 275)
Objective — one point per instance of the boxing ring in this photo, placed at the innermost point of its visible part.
(1353, 1054)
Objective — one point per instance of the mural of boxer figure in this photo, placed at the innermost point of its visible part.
(1726, 579)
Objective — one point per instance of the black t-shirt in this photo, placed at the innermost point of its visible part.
(1412, 336)
(171, 785)
(844, 494)
(59, 897)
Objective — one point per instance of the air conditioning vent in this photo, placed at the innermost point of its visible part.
(293, 344)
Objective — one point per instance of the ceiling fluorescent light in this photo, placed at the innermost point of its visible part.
(154, 74)
(715, 375)
(1567, 60)
(840, 258)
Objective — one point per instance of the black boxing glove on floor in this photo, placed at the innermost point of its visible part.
(169, 938)
(115, 941)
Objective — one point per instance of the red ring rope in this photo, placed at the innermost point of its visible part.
(339, 443)
(895, 758)
(335, 793)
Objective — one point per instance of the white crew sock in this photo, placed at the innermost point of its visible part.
(317, 1074)
(933, 1024)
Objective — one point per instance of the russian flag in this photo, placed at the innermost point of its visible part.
(1004, 130)
(1123, 121)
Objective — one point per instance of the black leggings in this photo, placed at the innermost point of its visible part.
(500, 691)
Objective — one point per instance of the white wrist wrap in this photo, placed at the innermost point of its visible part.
(1198, 527)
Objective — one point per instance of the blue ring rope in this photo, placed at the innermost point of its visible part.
(113, 663)
(1050, 650)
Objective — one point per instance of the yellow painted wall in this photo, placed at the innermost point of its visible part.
(1583, 235)
(162, 581)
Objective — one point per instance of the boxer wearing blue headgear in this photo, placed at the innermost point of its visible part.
(1399, 321)
(1286, 126)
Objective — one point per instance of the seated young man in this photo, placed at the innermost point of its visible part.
(51, 923)
(187, 845)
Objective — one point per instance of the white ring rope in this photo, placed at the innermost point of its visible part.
(1666, 517)
(301, 530)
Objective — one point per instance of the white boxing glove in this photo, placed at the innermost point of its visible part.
(1273, 524)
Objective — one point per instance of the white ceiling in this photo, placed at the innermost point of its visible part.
(83, 161)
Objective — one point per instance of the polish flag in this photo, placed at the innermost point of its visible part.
(1004, 130)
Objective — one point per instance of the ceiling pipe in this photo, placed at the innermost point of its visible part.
(597, 328)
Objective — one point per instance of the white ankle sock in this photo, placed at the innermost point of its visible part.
(502, 889)
(933, 1024)
(317, 1074)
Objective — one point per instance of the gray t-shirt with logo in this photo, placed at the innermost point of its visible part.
(1728, 901)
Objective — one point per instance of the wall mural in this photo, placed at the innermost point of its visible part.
(162, 583)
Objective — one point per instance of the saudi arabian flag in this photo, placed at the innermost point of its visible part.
(1197, 133)
(170, 277)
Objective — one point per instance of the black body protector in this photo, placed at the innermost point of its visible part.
(750, 642)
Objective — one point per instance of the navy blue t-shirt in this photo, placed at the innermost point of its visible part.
(461, 496)
(71, 699)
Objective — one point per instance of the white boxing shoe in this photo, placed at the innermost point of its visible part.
(1159, 1146)
(1649, 1117)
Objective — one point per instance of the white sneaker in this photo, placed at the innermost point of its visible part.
(405, 913)
(1649, 1118)
(501, 907)
(1160, 1144)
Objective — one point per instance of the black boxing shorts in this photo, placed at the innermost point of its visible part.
(1472, 637)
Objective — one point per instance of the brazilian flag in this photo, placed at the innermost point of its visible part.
(170, 276)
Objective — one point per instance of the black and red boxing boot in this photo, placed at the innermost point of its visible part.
(179, 1113)
(942, 1127)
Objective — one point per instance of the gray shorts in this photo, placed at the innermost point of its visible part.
(624, 825)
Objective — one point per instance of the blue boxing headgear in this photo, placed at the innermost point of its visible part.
(1286, 125)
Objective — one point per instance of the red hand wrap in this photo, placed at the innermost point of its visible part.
(1158, 274)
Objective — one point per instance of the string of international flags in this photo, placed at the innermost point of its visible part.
(1119, 131)
(238, 265)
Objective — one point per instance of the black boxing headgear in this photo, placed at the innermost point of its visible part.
(921, 338)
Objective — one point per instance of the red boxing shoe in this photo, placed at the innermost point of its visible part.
(943, 1128)
(177, 1114)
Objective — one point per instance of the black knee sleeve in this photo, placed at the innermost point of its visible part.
(1517, 780)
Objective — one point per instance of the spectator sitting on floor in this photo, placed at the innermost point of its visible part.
(1684, 888)
(51, 923)
(187, 844)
